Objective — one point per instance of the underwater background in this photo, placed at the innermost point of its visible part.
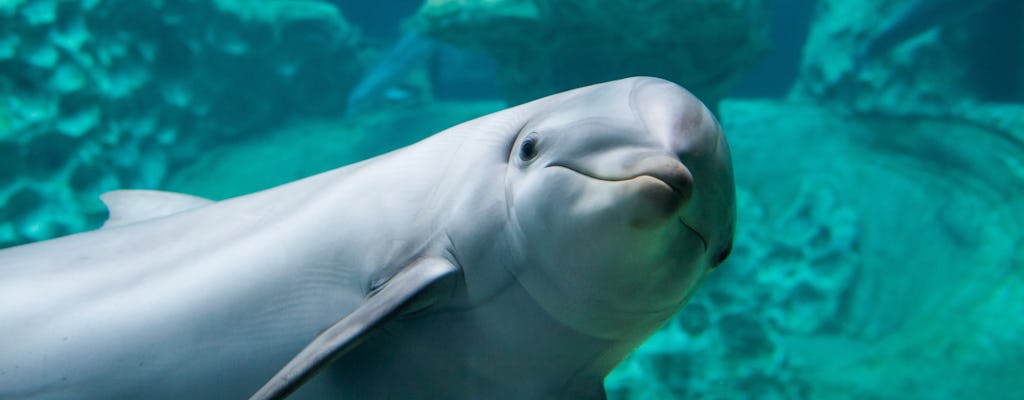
(878, 148)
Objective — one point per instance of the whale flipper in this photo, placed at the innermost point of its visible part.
(130, 206)
(414, 287)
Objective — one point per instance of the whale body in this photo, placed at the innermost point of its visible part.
(522, 254)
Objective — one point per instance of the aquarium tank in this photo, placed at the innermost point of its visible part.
(877, 147)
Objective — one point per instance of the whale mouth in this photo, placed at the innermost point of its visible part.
(678, 184)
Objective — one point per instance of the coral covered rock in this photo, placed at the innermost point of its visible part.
(923, 55)
(111, 93)
(546, 46)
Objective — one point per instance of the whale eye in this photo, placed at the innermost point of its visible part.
(528, 149)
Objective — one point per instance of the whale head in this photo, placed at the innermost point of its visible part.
(623, 198)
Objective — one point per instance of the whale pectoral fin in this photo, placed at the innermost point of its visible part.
(409, 288)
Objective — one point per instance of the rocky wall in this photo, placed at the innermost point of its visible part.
(547, 46)
(104, 94)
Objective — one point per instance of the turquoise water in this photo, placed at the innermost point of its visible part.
(878, 148)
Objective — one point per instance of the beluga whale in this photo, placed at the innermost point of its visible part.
(520, 255)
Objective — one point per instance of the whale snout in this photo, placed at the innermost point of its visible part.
(683, 126)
